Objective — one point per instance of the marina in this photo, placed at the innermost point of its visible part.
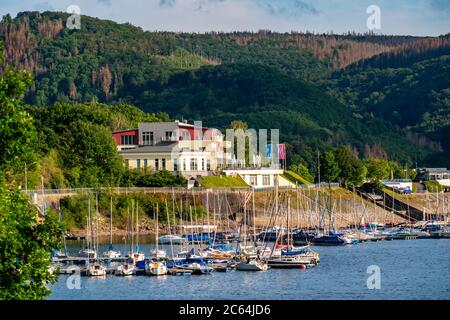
(301, 233)
(413, 269)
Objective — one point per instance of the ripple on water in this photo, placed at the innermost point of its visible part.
(416, 269)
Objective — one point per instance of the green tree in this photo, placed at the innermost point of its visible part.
(329, 168)
(352, 170)
(25, 248)
(90, 147)
(17, 131)
(302, 171)
(377, 169)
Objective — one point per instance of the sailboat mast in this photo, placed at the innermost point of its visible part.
(157, 228)
(137, 226)
(254, 216)
(110, 222)
(132, 225)
(168, 226)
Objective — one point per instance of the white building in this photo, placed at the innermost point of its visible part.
(173, 146)
(261, 178)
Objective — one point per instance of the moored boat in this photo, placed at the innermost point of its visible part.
(126, 270)
(155, 268)
(252, 265)
(96, 270)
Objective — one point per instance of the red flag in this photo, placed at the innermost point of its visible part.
(282, 151)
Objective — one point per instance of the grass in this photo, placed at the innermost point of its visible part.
(295, 177)
(433, 186)
(222, 182)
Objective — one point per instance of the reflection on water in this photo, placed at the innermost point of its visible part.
(416, 269)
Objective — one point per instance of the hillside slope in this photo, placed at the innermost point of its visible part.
(266, 79)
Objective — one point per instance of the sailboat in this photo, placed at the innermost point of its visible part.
(95, 269)
(160, 254)
(61, 254)
(88, 252)
(111, 254)
(291, 257)
(251, 263)
(156, 266)
(135, 254)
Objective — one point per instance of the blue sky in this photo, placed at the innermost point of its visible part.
(405, 17)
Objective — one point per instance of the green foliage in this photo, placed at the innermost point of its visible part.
(222, 182)
(377, 169)
(17, 131)
(26, 247)
(352, 170)
(329, 168)
(90, 147)
(142, 178)
(77, 145)
(302, 171)
(433, 186)
(412, 96)
(295, 178)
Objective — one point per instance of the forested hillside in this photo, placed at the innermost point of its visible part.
(415, 97)
(385, 96)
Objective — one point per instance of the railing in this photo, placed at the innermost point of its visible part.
(126, 190)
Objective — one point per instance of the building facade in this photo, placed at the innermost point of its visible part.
(441, 175)
(262, 178)
(173, 146)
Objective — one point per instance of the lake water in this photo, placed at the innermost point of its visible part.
(415, 269)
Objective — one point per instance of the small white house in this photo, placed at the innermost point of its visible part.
(261, 178)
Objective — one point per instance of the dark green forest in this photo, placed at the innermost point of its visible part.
(382, 96)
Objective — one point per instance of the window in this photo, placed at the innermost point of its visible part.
(184, 165)
(208, 165)
(253, 180)
(194, 164)
(185, 135)
(266, 180)
(127, 140)
(175, 164)
(156, 164)
(163, 164)
(147, 138)
(138, 163)
(145, 163)
(170, 136)
(203, 167)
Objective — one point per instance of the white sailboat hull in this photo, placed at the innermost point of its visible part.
(252, 266)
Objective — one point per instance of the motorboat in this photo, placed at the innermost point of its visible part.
(96, 270)
(156, 268)
(126, 270)
(196, 268)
